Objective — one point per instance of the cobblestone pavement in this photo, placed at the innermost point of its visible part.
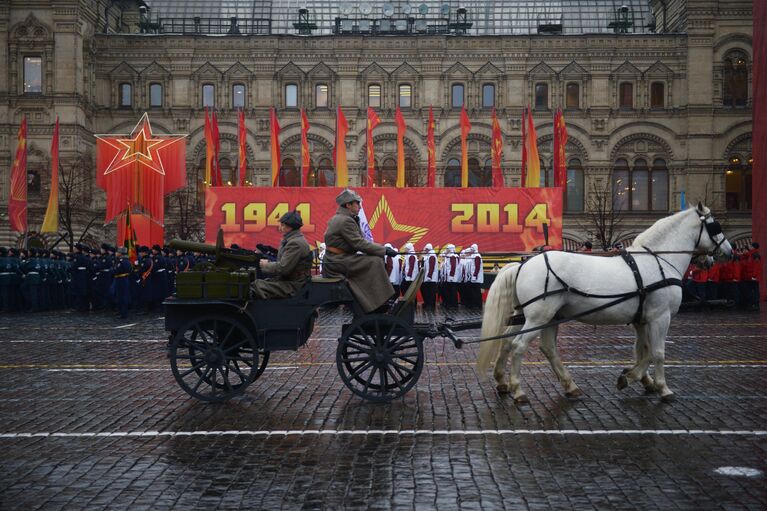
(91, 418)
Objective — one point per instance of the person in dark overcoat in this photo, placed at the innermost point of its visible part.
(365, 272)
(292, 268)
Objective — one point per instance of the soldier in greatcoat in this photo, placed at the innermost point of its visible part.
(365, 273)
(293, 266)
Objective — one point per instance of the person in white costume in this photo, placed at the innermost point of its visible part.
(410, 269)
(394, 269)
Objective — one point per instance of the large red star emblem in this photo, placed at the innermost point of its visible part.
(384, 222)
(141, 147)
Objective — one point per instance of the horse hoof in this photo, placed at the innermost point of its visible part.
(623, 382)
(502, 388)
(650, 389)
(574, 394)
(521, 400)
(668, 398)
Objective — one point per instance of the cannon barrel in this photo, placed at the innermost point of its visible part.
(224, 257)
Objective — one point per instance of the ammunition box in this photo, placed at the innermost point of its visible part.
(215, 284)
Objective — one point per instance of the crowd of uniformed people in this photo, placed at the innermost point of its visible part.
(734, 282)
(90, 279)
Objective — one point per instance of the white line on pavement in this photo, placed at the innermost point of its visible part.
(396, 432)
(164, 369)
(126, 326)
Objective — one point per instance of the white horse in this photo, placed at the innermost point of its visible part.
(662, 253)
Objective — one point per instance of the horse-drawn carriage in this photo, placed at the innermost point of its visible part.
(220, 345)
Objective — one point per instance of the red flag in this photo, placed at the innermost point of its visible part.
(243, 154)
(373, 121)
(217, 150)
(339, 150)
(497, 152)
(130, 237)
(523, 176)
(140, 169)
(51, 220)
(431, 148)
(401, 128)
(560, 140)
(306, 162)
(465, 129)
(17, 202)
(275, 143)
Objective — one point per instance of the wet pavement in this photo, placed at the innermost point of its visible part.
(91, 418)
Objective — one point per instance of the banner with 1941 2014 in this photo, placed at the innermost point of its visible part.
(497, 219)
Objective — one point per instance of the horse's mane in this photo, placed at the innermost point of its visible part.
(660, 229)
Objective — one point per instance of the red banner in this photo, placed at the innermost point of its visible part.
(497, 219)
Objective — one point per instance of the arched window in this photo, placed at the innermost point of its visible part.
(640, 187)
(456, 95)
(547, 173)
(738, 182)
(238, 95)
(289, 174)
(405, 95)
(626, 95)
(735, 76)
(155, 95)
(411, 173)
(291, 95)
(574, 189)
(487, 173)
(33, 75)
(126, 95)
(325, 175)
(453, 173)
(573, 96)
(621, 185)
(228, 172)
(657, 95)
(208, 95)
(387, 176)
(321, 98)
(374, 95)
(475, 173)
(488, 95)
(541, 96)
(659, 185)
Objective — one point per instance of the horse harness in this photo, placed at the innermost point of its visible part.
(642, 291)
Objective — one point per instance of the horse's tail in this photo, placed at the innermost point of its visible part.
(499, 307)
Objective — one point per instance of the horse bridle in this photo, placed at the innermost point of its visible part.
(714, 229)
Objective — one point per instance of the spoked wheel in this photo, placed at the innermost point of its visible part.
(379, 357)
(215, 358)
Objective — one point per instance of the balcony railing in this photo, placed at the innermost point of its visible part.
(215, 26)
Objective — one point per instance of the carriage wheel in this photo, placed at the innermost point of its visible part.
(215, 358)
(379, 357)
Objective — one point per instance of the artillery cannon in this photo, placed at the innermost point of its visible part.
(225, 258)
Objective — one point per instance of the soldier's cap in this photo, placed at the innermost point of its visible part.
(105, 246)
(3, 251)
(347, 196)
(234, 246)
(292, 219)
(81, 247)
(143, 249)
(33, 251)
(157, 247)
(122, 251)
(111, 248)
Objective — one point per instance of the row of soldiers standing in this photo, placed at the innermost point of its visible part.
(89, 279)
(454, 278)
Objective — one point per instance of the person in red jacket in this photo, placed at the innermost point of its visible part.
(728, 276)
(712, 282)
(750, 274)
(699, 279)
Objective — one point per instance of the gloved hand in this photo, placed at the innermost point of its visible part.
(391, 252)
